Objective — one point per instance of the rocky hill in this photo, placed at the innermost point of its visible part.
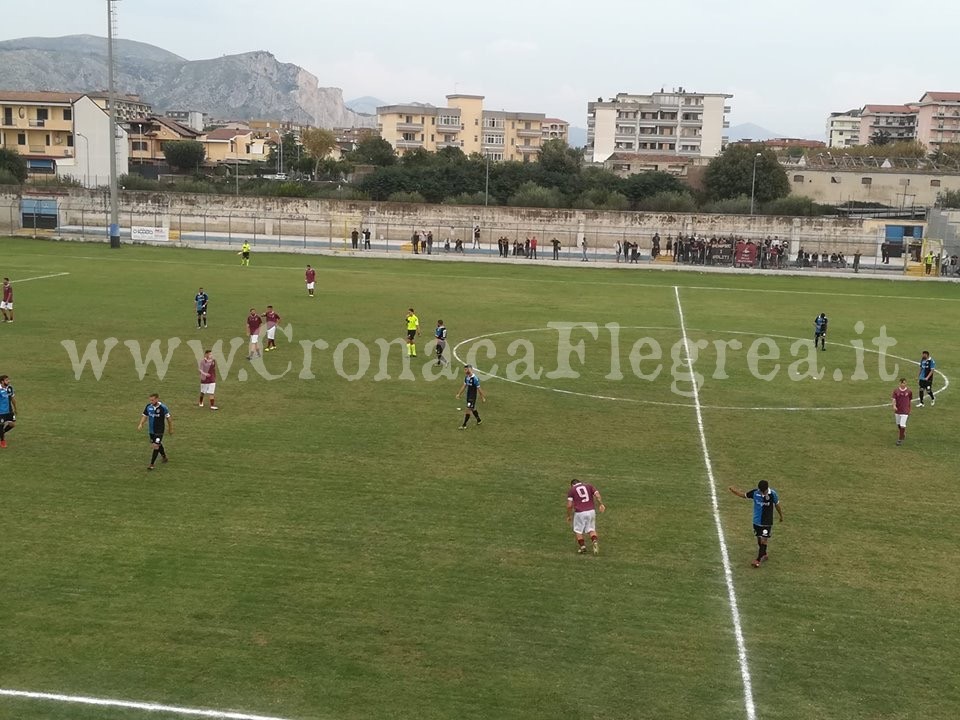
(246, 86)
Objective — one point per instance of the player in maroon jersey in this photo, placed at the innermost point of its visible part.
(273, 319)
(208, 379)
(583, 500)
(254, 322)
(310, 276)
(902, 397)
(6, 304)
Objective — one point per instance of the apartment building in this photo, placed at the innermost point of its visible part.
(227, 145)
(677, 123)
(147, 136)
(938, 119)
(896, 122)
(39, 126)
(556, 129)
(129, 107)
(193, 119)
(464, 124)
(843, 129)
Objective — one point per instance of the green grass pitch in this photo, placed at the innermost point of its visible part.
(335, 549)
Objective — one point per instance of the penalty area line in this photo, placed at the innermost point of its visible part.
(748, 702)
(39, 277)
(130, 705)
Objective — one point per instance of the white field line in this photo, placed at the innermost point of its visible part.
(724, 553)
(128, 705)
(39, 277)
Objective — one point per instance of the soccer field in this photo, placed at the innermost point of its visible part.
(328, 545)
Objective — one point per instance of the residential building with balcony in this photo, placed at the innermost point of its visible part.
(938, 119)
(193, 119)
(463, 124)
(233, 146)
(678, 123)
(129, 107)
(897, 122)
(555, 129)
(148, 135)
(60, 133)
(843, 129)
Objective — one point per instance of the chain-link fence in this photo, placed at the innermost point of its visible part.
(532, 236)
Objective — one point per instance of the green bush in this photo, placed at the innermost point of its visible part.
(477, 198)
(406, 197)
(133, 181)
(680, 202)
(292, 189)
(793, 206)
(529, 194)
(8, 178)
(739, 205)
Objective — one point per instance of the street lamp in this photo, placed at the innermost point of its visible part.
(280, 156)
(236, 166)
(486, 185)
(86, 153)
(753, 185)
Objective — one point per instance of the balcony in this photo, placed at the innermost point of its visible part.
(529, 132)
(37, 150)
(409, 143)
(38, 123)
(409, 127)
(448, 144)
(527, 149)
(444, 128)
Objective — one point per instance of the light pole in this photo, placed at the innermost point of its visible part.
(486, 185)
(280, 156)
(114, 230)
(236, 165)
(86, 154)
(753, 184)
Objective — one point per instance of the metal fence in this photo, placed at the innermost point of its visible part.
(832, 247)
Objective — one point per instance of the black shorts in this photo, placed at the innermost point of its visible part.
(471, 402)
(820, 334)
(8, 417)
(411, 334)
(441, 346)
(245, 255)
(763, 531)
(926, 384)
(156, 439)
(202, 311)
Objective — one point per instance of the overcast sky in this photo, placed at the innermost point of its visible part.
(786, 64)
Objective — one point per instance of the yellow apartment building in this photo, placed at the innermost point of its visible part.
(556, 129)
(147, 136)
(39, 126)
(129, 107)
(228, 145)
(464, 124)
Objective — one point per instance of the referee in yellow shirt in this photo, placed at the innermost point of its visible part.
(413, 329)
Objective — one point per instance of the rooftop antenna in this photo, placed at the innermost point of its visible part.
(114, 229)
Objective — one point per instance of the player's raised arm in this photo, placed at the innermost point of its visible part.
(737, 491)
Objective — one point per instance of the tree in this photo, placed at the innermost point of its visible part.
(731, 173)
(532, 195)
(880, 137)
(184, 154)
(317, 143)
(647, 184)
(291, 154)
(12, 162)
(557, 156)
(373, 150)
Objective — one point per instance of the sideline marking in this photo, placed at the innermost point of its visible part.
(129, 705)
(39, 277)
(472, 278)
(715, 506)
(614, 398)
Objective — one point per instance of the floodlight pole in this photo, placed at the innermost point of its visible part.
(114, 230)
(753, 185)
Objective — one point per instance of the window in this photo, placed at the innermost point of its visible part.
(431, 137)
(798, 178)
(8, 116)
(43, 114)
(46, 139)
(496, 157)
(449, 120)
(934, 183)
(409, 136)
(409, 118)
(433, 121)
(70, 140)
(21, 138)
(866, 181)
(68, 113)
(139, 146)
(493, 123)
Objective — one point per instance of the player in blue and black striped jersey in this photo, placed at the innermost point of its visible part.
(927, 366)
(820, 330)
(471, 384)
(441, 335)
(765, 500)
(156, 416)
(201, 299)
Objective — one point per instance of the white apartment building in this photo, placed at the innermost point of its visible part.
(843, 129)
(678, 122)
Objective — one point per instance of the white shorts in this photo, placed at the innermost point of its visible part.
(271, 332)
(901, 419)
(310, 286)
(585, 522)
(254, 338)
(6, 306)
(208, 388)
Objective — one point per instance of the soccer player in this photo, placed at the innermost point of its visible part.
(441, 334)
(245, 254)
(820, 331)
(8, 409)
(765, 499)
(583, 500)
(208, 379)
(413, 329)
(902, 398)
(927, 366)
(6, 304)
(158, 419)
(273, 319)
(310, 276)
(471, 383)
(254, 321)
(201, 299)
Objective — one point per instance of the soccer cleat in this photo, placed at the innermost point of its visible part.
(899, 442)
(462, 427)
(163, 458)
(479, 422)
(200, 405)
(933, 401)
(214, 407)
(755, 563)
(581, 550)
(596, 549)
(3, 443)
(149, 467)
